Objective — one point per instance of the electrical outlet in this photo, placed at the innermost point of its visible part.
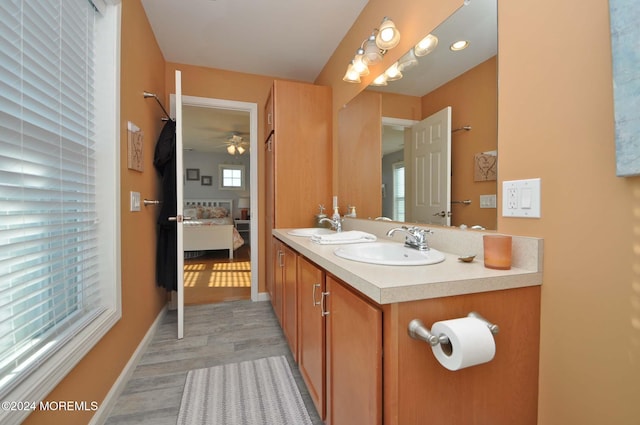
(521, 198)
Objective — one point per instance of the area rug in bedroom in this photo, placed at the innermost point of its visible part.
(253, 392)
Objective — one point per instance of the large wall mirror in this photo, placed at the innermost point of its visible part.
(464, 81)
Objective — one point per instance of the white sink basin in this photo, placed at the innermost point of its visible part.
(390, 254)
(308, 232)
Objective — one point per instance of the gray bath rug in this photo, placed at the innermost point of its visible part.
(256, 392)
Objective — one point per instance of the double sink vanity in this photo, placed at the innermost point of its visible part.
(347, 323)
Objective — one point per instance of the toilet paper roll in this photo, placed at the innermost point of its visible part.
(470, 343)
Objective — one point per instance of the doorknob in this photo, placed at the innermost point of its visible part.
(180, 218)
(440, 214)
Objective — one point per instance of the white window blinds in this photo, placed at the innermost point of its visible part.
(50, 286)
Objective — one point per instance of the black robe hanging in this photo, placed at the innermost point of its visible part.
(166, 251)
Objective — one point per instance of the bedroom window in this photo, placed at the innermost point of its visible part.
(59, 191)
(231, 177)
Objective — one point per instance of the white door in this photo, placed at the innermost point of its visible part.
(429, 171)
(180, 205)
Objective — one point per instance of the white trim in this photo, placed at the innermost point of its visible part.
(252, 108)
(398, 121)
(263, 296)
(109, 402)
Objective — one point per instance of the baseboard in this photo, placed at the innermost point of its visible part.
(110, 400)
(263, 296)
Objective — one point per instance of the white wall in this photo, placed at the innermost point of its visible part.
(208, 163)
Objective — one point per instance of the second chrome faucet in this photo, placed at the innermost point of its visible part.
(415, 238)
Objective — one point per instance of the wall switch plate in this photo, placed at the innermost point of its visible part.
(487, 201)
(135, 201)
(521, 198)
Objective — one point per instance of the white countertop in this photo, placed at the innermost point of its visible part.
(392, 284)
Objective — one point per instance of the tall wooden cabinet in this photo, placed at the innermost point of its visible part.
(298, 158)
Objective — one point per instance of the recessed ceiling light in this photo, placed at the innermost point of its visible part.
(459, 45)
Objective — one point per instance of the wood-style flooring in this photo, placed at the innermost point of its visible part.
(215, 334)
(213, 277)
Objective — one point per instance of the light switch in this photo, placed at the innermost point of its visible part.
(525, 198)
(487, 201)
(135, 201)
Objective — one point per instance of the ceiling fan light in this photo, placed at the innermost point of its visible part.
(426, 45)
(231, 149)
(388, 35)
(240, 149)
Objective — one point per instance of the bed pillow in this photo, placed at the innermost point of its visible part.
(211, 212)
(190, 212)
(219, 212)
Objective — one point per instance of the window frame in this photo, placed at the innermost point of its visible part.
(39, 383)
(235, 167)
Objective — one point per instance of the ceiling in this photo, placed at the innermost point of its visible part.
(294, 40)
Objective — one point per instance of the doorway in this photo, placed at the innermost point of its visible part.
(220, 137)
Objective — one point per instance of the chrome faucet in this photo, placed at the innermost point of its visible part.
(336, 223)
(416, 237)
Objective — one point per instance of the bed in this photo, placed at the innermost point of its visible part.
(211, 226)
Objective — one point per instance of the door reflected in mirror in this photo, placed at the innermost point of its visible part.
(464, 80)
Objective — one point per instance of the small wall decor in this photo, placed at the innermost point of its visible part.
(625, 33)
(135, 139)
(485, 166)
(193, 173)
(206, 181)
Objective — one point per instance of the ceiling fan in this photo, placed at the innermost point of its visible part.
(236, 145)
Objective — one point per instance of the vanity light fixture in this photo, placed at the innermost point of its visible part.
(426, 45)
(393, 73)
(380, 81)
(351, 76)
(372, 50)
(459, 45)
(388, 35)
(359, 64)
(407, 61)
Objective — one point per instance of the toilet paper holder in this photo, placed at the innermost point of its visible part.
(417, 330)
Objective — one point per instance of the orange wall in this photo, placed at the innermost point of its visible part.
(142, 69)
(555, 121)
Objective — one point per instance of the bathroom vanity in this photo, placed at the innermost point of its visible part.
(346, 323)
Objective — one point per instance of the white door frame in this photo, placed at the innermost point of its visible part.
(252, 108)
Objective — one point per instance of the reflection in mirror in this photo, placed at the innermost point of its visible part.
(465, 80)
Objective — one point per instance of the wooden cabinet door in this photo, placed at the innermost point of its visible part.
(289, 297)
(354, 358)
(311, 332)
(278, 265)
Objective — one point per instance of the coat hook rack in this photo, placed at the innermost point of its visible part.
(153, 95)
